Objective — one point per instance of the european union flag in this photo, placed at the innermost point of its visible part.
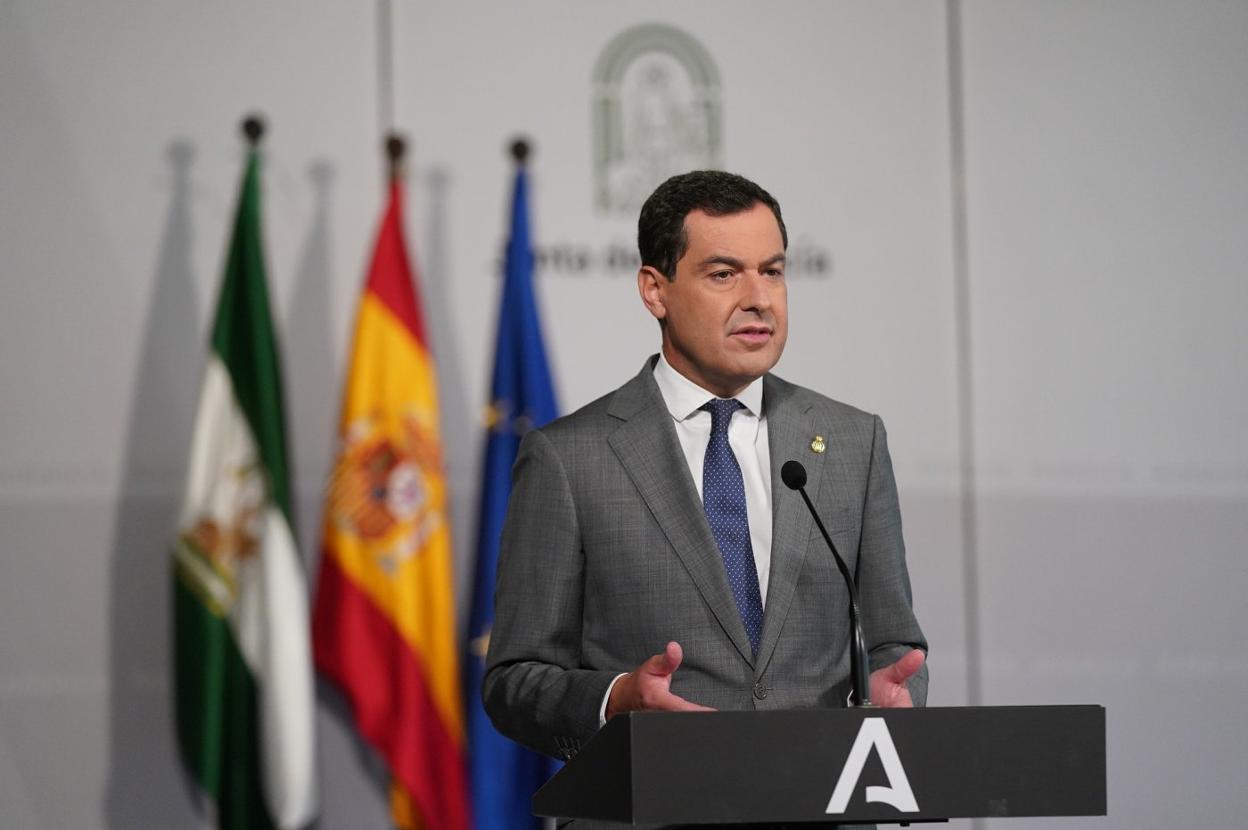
(504, 774)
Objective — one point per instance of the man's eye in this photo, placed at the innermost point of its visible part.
(778, 273)
(721, 275)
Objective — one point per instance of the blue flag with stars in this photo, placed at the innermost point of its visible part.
(504, 774)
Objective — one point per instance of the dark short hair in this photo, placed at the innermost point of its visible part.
(661, 236)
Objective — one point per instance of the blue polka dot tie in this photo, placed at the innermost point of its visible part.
(723, 499)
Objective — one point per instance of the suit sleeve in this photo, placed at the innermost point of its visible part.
(534, 689)
(889, 623)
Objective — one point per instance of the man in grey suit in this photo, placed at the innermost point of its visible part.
(652, 558)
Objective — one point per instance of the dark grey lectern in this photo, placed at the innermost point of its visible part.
(836, 765)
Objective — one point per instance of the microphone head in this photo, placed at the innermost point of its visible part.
(793, 474)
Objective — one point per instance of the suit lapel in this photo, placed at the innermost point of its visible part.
(790, 430)
(647, 447)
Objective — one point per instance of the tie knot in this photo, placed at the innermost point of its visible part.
(721, 410)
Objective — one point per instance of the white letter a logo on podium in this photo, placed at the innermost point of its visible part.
(874, 733)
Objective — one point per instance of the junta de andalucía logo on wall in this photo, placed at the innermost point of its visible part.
(656, 111)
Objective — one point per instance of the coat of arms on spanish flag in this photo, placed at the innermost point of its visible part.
(384, 621)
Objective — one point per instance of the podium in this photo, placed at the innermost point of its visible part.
(836, 765)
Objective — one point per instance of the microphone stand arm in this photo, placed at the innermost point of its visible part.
(858, 648)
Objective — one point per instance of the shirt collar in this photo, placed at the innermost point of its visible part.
(684, 398)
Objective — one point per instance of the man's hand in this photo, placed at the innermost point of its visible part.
(649, 687)
(888, 685)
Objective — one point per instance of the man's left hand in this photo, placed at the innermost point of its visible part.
(888, 685)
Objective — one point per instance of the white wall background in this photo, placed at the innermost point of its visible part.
(1095, 154)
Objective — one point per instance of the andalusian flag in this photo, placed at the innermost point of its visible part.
(384, 621)
(244, 675)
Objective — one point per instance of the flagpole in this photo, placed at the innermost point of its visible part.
(396, 151)
(385, 65)
(253, 130)
(520, 150)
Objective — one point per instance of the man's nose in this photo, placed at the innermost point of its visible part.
(756, 292)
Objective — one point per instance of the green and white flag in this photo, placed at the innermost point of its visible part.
(243, 666)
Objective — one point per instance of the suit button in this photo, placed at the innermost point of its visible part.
(760, 691)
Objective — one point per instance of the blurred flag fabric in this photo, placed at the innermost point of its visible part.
(242, 664)
(504, 774)
(384, 620)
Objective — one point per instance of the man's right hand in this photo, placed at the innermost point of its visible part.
(649, 687)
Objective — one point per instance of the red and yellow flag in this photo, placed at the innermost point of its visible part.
(384, 622)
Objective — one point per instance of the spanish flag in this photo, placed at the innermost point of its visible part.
(383, 625)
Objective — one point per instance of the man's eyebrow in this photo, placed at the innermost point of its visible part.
(733, 262)
(722, 259)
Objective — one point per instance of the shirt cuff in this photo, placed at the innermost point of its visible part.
(602, 710)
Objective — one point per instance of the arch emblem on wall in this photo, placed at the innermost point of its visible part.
(656, 112)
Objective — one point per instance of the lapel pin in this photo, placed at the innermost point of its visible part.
(818, 445)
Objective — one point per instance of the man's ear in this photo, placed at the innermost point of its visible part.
(650, 285)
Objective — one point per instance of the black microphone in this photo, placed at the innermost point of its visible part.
(793, 474)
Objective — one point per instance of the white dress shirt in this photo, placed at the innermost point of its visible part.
(747, 435)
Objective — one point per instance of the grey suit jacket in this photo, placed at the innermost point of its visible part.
(607, 555)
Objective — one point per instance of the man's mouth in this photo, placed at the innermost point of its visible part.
(753, 334)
